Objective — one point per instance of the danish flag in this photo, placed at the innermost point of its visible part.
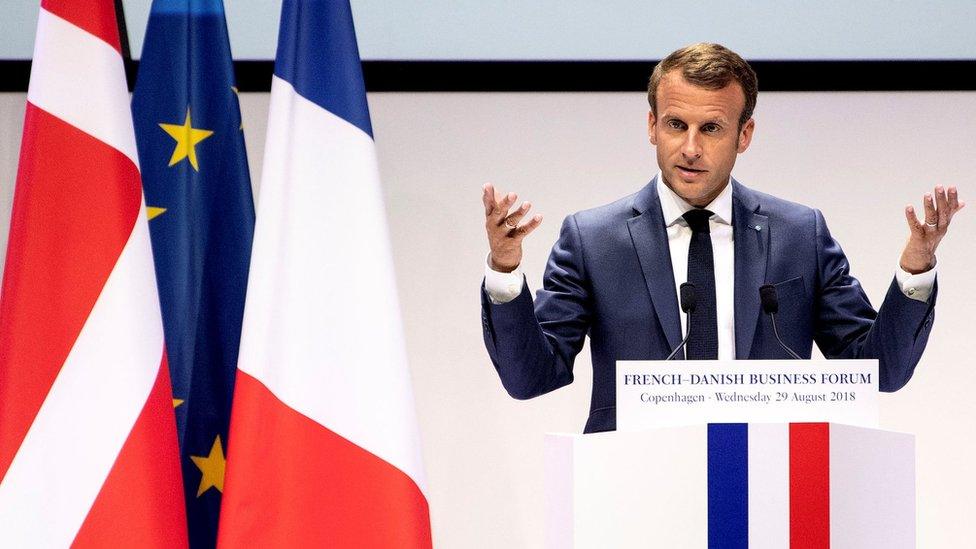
(88, 450)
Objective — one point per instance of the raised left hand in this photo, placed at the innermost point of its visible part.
(940, 206)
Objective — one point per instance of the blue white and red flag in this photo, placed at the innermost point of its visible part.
(324, 447)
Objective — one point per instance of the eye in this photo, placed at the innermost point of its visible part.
(675, 124)
(711, 128)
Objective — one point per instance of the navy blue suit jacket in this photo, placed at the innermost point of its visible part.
(609, 276)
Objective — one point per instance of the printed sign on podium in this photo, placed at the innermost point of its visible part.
(653, 394)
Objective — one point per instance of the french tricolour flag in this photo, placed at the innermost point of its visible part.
(323, 444)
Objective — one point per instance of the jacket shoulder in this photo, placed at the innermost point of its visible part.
(599, 216)
(775, 206)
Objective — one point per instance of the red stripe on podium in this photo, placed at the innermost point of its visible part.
(809, 486)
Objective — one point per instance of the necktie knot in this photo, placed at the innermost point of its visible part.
(698, 219)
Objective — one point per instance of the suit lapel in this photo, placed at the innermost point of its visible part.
(650, 241)
(750, 231)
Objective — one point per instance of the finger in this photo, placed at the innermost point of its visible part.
(942, 202)
(502, 207)
(488, 198)
(512, 220)
(953, 194)
(954, 203)
(931, 217)
(914, 224)
(524, 230)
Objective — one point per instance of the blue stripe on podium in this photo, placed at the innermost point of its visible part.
(728, 486)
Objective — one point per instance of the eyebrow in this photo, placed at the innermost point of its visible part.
(718, 120)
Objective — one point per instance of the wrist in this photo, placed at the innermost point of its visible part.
(501, 267)
(917, 265)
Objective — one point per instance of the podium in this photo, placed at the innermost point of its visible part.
(756, 485)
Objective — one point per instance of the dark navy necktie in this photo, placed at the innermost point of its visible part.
(703, 343)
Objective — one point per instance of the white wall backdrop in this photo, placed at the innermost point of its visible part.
(860, 157)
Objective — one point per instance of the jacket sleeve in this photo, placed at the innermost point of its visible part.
(533, 345)
(848, 327)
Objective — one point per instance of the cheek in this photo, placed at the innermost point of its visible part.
(665, 146)
(726, 150)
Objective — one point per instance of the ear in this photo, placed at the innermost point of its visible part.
(651, 121)
(745, 135)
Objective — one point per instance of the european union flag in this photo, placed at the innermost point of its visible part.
(198, 195)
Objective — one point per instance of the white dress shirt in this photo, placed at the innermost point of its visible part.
(673, 208)
(504, 287)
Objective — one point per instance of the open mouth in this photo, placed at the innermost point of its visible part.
(690, 170)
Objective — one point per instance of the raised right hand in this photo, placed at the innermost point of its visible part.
(505, 234)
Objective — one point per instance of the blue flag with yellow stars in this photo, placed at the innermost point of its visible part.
(198, 197)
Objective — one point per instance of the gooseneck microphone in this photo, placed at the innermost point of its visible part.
(689, 300)
(770, 305)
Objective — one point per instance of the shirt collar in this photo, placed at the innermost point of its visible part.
(673, 206)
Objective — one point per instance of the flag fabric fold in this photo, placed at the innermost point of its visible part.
(88, 447)
(198, 190)
(324, 447)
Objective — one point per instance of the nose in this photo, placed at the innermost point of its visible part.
(691, 148)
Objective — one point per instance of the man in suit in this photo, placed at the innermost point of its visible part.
(614, 271)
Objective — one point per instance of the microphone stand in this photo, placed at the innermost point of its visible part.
(770, 305)
(689, 302)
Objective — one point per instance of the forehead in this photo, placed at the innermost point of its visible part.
(677, 97)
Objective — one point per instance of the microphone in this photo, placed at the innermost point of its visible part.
(770, 305)
(689, 300)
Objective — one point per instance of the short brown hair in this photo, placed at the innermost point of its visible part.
(710, 66)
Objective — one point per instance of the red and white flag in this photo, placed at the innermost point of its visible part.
(88, 450)
(323, 445)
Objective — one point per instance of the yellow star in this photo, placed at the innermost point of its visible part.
(152, 212)
(212, 468)
(186, 137)
(177, 402)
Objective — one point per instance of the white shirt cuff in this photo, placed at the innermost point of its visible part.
(502, 287)
(918, 286)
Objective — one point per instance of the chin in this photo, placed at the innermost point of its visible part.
(688, 196)
(697, 194)
(689, 188)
